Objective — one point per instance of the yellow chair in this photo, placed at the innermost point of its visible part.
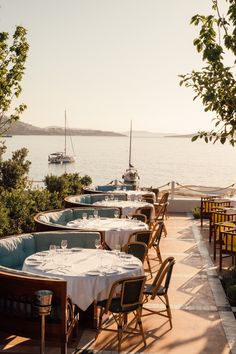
(209, 204)
(220, 216)
(218, 228)
(227, 242)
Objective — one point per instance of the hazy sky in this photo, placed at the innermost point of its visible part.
(109, 61)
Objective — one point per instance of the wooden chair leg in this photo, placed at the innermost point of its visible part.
(168, 310)
(149, 265)
(139, 321)
(119, 330)
(164, 230)
(158, 252)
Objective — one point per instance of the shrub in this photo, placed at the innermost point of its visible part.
(196, 213)
(231, 293)
(19, 203)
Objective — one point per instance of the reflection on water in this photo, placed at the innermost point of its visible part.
(158, 160)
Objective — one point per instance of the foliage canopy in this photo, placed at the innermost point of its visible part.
(215, 84)
(12, 61)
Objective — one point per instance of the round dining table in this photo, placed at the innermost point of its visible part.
(89, 273)
(134, 194)
(115, 231)
(128, 207)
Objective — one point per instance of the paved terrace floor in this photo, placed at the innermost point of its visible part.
(203, 321)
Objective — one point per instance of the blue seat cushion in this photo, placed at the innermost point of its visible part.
(14, 250)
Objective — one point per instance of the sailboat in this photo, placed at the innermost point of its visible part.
(62, 157)
(131, 175)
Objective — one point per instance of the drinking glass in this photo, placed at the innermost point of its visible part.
(97, 244)
(116, 213)
(117, 249)
(112, 197)
(64, 244)
(84, 216)
(95, 213)
(106, 198)
(52, 249)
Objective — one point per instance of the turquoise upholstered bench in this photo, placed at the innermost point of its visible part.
(109, 188)
(14, 249)
(58, 219)
(89, 199)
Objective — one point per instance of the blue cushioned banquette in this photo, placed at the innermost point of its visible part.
(14, 249)
(90, 199)
(58, 219)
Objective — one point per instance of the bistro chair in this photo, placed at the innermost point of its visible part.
(146, 210)
(164, 198)
(209, 204)
(218, 228)
(161, 206)
(157, 231)
(137, 249)
(220, 216)
(140, 217)
(129, 299)
(148, 199)
(155, 191)
(159, 288)
(227, 242)
(145, 237)
(160, 215)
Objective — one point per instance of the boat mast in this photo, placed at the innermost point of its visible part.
(130, 142)
(65, 134)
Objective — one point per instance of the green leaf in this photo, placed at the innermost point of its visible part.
(194, 138)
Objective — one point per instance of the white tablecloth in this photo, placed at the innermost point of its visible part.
(128, 207)
(89, 273)
(135, 195)
(116, 231)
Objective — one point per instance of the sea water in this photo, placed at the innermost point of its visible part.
(158, 160)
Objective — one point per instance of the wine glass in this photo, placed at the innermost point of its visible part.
(52, 249)
(117, 249)
(97, 244)
(84, 216)
(106, 198)
(112, 197)
(95, 213)
(63, 244)
(116, 213)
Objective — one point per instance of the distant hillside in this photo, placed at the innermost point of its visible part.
(180, 136)
(20, 128)
(145, 134)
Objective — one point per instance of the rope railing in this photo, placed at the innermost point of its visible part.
(175, 191)
(164, 185)
(204, 191)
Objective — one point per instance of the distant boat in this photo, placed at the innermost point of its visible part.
(62, 157)
(131, 175)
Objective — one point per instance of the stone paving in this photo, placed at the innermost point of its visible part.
(203, 321)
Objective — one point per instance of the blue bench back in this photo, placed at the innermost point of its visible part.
(14, 249)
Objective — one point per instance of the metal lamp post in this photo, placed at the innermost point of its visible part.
(43, 303)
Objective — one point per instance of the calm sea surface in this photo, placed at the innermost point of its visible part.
(158, 160)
